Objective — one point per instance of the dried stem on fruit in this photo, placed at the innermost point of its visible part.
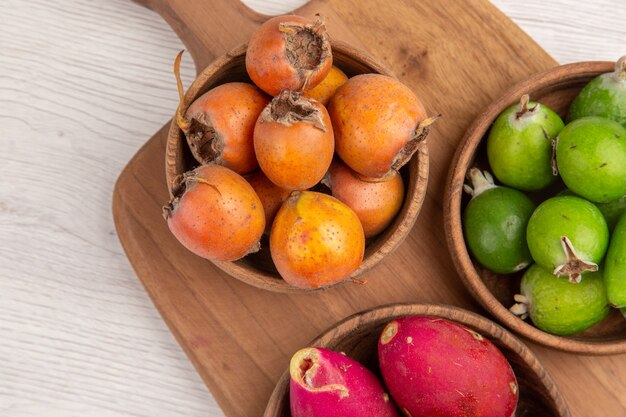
(573, 266)
(180, 185)
(419, 136)
(523, 106)
(290, 107)
(306, 46)
(555, 168)
(178, 189)
(183, 123)
(204, 141)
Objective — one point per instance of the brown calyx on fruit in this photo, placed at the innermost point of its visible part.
(290, 107)
(523, 106)
(553, 143)
(178, 189)
(419, 136)
(180, 185)
(573, 266)
(204, 141)
(306, 46)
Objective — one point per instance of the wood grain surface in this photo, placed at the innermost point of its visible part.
(237, 336)
(83, 84)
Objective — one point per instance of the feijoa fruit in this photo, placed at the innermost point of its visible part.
(494, 224)
(519, 145)
(615, 265)
(591, 158)
(567, 235)
(558, 306)
(604, 96)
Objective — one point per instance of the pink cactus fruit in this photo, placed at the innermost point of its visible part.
(325, 383)
(437, 368)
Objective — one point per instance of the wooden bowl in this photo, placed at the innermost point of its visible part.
(258, 269)
(555, 88)
(357, 337)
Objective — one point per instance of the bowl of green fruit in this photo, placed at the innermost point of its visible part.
(535, 208)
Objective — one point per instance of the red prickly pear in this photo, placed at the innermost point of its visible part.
(328, 384)
(437, 368)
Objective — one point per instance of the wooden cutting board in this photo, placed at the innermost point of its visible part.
(457, 56)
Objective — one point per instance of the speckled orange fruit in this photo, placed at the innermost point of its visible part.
(379, 123)
(316, 240)
(215, 214)
(376, 201)
(293, 141)
(221, 124)
(329, 85)
(270, 194)
(288, 53)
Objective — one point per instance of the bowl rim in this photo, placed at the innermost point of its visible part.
(554, 77)
(388, 312)
(263, 279)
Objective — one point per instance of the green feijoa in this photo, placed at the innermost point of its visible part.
(591, 158)
(613, 210)
(494, 224)
(567, 235)
(558, 306)
(519, 145)
(604, 96)
(615, 266)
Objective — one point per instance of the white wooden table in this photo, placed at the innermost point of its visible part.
(83, 83)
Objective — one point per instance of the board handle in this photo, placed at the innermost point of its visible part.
(211, 28)
(207, 28)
